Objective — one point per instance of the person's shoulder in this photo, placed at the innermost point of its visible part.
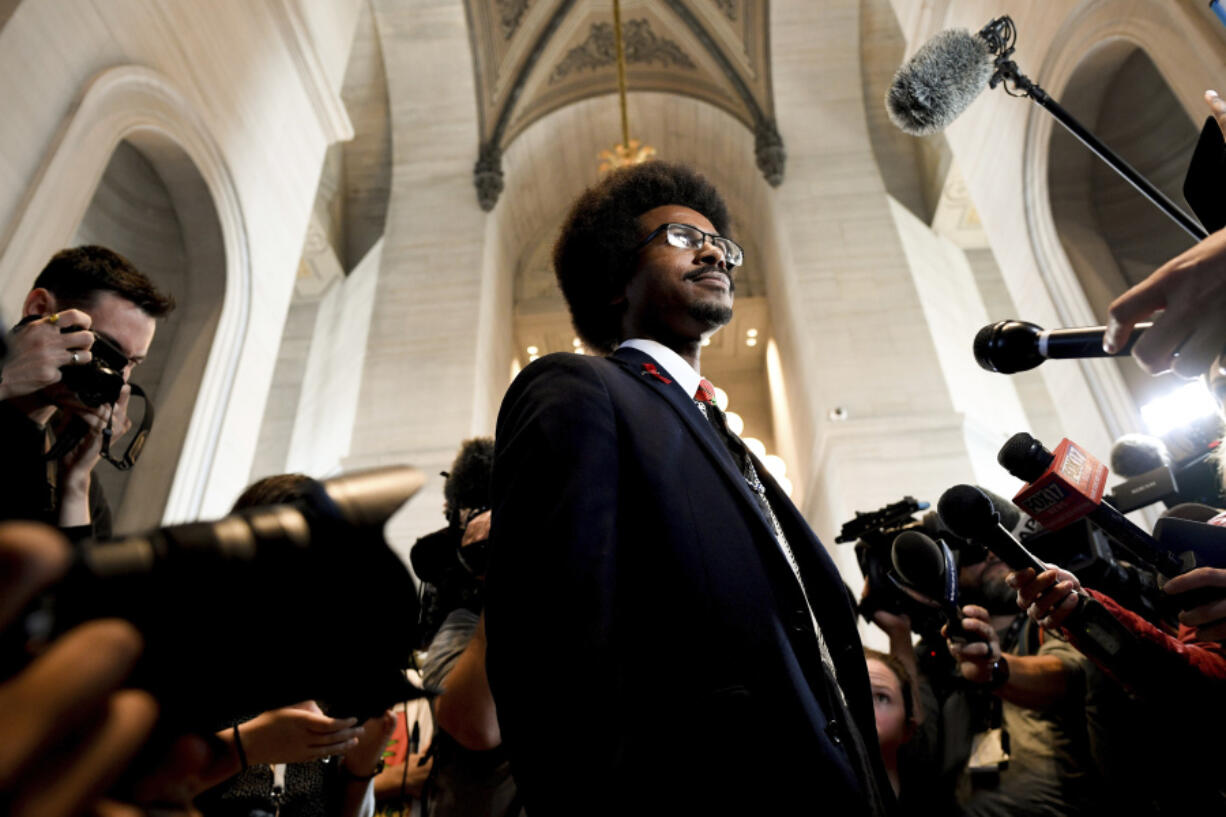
(558, 385)
(562, 373)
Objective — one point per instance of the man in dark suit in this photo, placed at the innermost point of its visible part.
(665, 633)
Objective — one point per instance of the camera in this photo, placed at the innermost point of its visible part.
(98, 382)
(450, 572)
(263, 608)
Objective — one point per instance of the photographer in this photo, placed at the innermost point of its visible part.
(471, 776)
(83, 296)
(278, 758)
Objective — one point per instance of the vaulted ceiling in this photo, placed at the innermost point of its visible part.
(532, 57)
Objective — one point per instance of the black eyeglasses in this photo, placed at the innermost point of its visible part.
(689, 237)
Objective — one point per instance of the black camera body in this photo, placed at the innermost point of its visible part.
(450, 573)
(264, 608)
(873, 533)
(98, 382)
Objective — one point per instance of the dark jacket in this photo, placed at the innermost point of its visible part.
(649, 648)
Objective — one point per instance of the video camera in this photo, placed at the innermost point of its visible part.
(874, 533)
(263, 608)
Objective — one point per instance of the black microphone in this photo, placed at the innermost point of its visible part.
(969, 513)
(1009, 347)
(925, 570)
(1134, 454)
(1149, 468)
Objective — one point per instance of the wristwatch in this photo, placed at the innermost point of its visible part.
(1000, 674)
(378, 768)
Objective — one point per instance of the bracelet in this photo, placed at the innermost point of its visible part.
(362, 777)
(238, 749)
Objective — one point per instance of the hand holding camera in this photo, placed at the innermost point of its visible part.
(39, 349)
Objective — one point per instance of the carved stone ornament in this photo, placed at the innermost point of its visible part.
(510, 15)
(641, 44)
(768, 148)
(487, 176)
(728, 7)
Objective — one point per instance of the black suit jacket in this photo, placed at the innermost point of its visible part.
(650, 650)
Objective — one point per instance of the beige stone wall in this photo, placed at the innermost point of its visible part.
(239, 89)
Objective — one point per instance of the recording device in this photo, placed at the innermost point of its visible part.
(969, 513)
(1066, 485)
(1186, 527)
(260, 609)
(926, 572)
(1154, 475)
(948, 72)
(98, 383)
(1009, 347)
(874, 533)
(1205, 177)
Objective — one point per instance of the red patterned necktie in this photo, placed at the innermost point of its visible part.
(706, 392)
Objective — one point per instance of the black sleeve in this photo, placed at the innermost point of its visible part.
(550, 596)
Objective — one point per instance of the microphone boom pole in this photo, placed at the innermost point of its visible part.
(1000, 35)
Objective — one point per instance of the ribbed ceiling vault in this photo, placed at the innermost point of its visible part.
(532, 57)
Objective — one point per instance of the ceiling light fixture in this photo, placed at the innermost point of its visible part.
(630, 151)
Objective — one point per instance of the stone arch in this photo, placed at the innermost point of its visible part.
(1099, 35)
(142, 107)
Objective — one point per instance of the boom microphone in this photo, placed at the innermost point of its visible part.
(1009, 347)
(943, 78)
(939, 82)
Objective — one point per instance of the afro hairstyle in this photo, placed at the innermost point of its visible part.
(594, 256)
(468, 481)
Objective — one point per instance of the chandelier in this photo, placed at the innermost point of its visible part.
(629, 151)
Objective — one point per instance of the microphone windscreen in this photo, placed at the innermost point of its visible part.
(1010, 514)
(919, 562)
(939, 82)
(1193, 511)
(1134, 454)
(967, 511)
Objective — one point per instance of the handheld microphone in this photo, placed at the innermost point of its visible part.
(1009, 347)
(925, 571)
(969, 513)
(1066, 485)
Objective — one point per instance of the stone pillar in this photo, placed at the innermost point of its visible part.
(849, 321)
(419, 383)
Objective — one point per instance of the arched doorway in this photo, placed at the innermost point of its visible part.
(152, 206)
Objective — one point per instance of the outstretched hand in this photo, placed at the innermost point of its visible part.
(1049, 597)
(296, 734)
(1191, 290)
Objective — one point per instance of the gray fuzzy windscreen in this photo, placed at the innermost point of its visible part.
(937, 84)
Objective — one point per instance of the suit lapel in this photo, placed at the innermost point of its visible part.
(632, 360)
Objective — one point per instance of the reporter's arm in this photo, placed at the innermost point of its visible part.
(465, 709)
(1033, 681)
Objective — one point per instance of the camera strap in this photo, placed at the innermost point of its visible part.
(132, 454)
(77, 429)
